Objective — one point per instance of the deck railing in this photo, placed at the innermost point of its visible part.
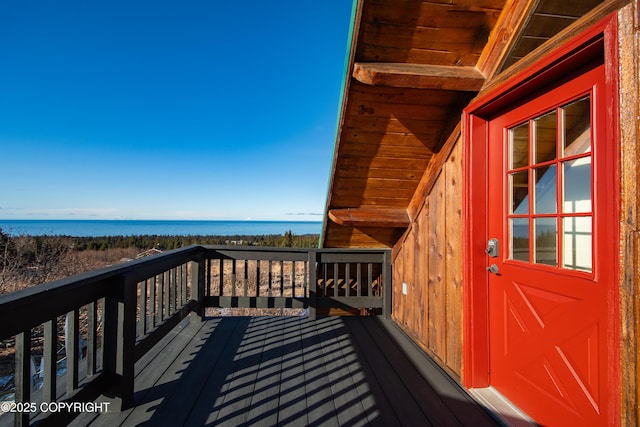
(111, 317)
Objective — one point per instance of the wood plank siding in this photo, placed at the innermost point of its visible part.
(428, 260)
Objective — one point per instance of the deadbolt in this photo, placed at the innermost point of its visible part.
(493, 248)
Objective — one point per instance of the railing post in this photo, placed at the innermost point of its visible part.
(387, 285)
(109, 335)
(120, 340)
(127, 342)
(313, 283)
(198, 283)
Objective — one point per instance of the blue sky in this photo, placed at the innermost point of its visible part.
(190, 109)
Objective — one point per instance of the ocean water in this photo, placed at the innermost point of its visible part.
(93, 228)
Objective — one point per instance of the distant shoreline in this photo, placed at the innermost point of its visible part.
(125, 227)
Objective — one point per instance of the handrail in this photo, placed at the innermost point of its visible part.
(139, 302)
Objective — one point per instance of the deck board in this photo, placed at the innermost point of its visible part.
(263, 402)
(292, 403)
(267, 371)
(320, 408)
(406, 407)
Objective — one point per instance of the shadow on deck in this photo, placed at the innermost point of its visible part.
(291, 371)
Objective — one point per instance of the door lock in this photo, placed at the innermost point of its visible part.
(493, 268)
(493, 248)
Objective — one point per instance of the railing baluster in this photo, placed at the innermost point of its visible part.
(160, 311)
(207, 283)
(152, 303)
(335, 279)
(92, 338)
(221, 275)
(23, 378)
(185, 284)
(167, 295)
(174, 290)
(281, 278)
(293, 279)
(142, 305)
(258, 278)
(178, 288)
(175, 301)
(246, 278)
(305, 282)
(325, 280)
(359, 280)
(50, 359)
(170, 293)
(347, 279)
(270, 284)
(233, 278)
(181, 286)
(369, 278)
(72, 348)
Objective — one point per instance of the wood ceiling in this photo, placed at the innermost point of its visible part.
(413, 66)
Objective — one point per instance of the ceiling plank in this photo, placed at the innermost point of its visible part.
(419, 76)
(371, 216)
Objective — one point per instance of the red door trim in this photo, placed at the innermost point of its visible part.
(602, 36)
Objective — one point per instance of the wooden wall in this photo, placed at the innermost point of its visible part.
(629, 38)
(429, 260)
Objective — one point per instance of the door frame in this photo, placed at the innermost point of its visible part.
(602, 38)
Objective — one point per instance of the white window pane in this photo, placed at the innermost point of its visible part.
(577, 243)
(577, 185)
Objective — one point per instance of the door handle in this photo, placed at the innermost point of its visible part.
(493, 268)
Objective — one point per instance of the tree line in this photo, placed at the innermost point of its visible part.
(288, 239)
(29, 260)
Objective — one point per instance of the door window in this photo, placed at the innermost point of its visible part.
(550, 188)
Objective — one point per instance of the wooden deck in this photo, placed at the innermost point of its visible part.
(292, 371)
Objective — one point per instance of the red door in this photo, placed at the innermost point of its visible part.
(550, 211)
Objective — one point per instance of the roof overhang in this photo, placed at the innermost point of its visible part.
(411, 67)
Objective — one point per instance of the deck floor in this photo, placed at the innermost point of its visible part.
(269, 371)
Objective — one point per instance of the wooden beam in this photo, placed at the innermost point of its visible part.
(419, 76)
(370, 216)
(504, 35)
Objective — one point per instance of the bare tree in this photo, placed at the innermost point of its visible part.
(9, 263)
(30, 260)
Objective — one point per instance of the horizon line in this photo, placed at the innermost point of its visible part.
(163, 219)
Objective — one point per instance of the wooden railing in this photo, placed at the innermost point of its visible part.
(111, 317)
